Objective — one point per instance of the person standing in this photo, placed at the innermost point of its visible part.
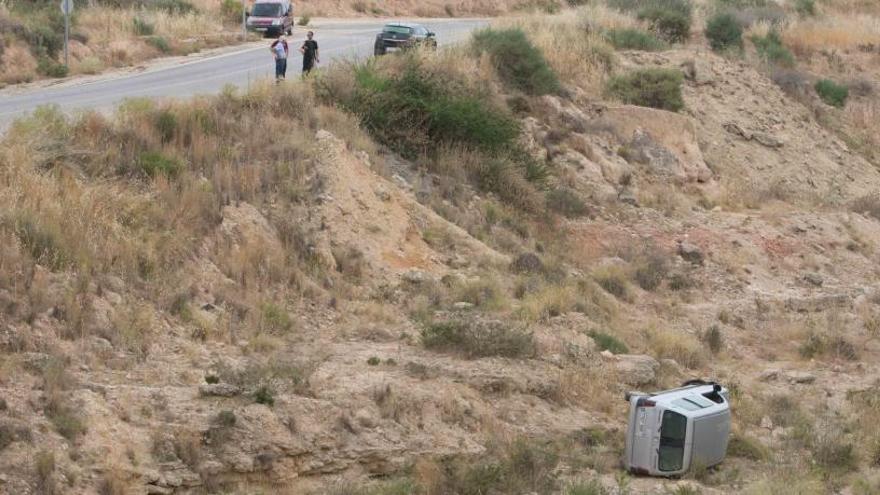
(309, 50)
(280, 51)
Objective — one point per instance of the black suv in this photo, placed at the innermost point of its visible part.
(403, 35)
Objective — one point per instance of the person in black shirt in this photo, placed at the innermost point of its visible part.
(310, 53)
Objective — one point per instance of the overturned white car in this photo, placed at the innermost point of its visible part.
(671, 431)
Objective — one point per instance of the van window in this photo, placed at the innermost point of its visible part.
(267, 10)
(673, 430)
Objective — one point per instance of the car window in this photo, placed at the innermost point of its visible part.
(397, 29)
(673, 430)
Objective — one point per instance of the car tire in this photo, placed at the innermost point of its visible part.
(379, 51)
(289, 31)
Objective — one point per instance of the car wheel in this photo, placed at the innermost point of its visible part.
(379, 51)
(290, 30)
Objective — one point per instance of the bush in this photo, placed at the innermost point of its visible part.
(51, 68)
(264, 395)
(633, 39)
(478, 340)
(304, 20)
(771, 49)
(613, 282)
(175, 7)
(608, 342)
(832, 93)
(519, 63)
(724, 32)
(714, 339)
(166, 124)
(651, 271)
(159, 43)
(43, 40)
(673, 25)
(231, 10)
(805, 7)
(656, 88)
(142, 27)
(566, 202)
(374, 361)
(415, 112)
(834, 453)
(154, 164)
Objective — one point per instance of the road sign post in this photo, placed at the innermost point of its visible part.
(66, 8)
(243, 20)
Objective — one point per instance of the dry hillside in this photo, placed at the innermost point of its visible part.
(445, 276)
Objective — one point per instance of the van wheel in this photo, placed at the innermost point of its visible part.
(379, 51)
(290, 31)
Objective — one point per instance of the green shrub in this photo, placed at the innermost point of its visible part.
(714, 339)
(142, 27)
(656, 88)
(231, 10)
(724, 32)
(633, 39)
(415, 112)
(478, 340)
(832, 93)
(651, 271)
(166, 124)
(43, 40)
(771, 49)
(154, 164)
(264, 395)
(519, 63)
(178, 7)
(671, 20)
(833, 452)
(586, 488)
(51, 68)
(607, 342)
(566, 202)
(805, 7)
(304, 20)
(274, 319)
(374, 361)
(159, 43)
(68, 421)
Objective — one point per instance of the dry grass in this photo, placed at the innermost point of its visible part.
(684, 348)
(843, 32)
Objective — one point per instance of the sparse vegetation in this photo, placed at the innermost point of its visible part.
(771, 49)
(475, 339)
(607, 342)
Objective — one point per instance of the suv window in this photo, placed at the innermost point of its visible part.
(673, 430)
(397, 29)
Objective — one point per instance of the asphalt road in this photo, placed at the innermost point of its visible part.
(337, 40)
